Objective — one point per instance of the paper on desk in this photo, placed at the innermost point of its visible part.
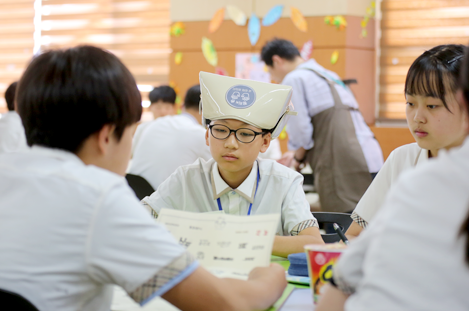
(226, 245)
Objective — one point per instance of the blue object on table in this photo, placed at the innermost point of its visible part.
(298, 264)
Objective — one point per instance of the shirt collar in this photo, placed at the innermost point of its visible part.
(247, 189)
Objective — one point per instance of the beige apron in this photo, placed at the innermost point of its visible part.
(341, 174)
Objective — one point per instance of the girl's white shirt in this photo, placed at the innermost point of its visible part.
(400, 160)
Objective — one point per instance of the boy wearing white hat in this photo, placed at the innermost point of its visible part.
(242, 117)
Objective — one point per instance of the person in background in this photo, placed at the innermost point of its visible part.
(162, 101)
(235, 181)
(435, 119)
(170, 142)
(71, 226)
(329, 132)
(414, 254)
(12, 137)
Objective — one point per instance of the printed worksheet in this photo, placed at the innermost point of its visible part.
(226, 245)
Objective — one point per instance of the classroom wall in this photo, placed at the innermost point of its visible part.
(356, 54)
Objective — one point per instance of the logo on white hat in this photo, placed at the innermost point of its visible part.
(240, 96)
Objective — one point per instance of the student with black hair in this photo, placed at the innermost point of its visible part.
(169, 142)
(12, 137)
(434, 118)
(412, 256)
(162, 101)
(329, 132)
(70, 225)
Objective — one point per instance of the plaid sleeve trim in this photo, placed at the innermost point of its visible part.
(360, 221)
(303, 225)
(150, 209)
(165, 279)
(338, 282)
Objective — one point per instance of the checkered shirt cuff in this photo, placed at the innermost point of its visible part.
(303, 225)
(146, 290)
(360, 221)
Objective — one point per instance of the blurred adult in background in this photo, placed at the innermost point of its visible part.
(169, 142)
(329, 132)
(163, 101)
(12, 136)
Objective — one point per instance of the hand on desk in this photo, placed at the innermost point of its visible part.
(286, 245)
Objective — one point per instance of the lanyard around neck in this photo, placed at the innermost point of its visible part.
(250, 205)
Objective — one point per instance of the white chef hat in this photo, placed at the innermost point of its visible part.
(263, 105)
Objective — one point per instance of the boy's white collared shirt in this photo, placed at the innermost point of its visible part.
(234, 201)
(196, 187)
(70, 231)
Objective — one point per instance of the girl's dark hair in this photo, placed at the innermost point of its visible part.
(435, 73)
(64, 96)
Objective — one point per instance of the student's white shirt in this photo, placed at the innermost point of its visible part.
(197, 187)
(400, 160)
(12, 136)
(411, 257)
(69, 231)
(165, 144)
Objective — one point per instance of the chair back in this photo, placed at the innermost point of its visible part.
(12, 301)
(139, 185)
(342, 219)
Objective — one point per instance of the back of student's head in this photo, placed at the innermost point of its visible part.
(283, 48)
(192, 99)
(164, 93)
(435, 73)
(10, 96)
(64, 96)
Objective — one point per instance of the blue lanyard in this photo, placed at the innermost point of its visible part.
(250, 205)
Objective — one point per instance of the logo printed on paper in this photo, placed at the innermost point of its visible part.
(240, 96)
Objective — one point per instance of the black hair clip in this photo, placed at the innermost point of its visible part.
(455, 59)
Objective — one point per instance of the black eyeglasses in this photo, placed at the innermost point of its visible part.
(243, 135)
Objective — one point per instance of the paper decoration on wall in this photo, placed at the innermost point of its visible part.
(370, 13)
(221, 71)
(283, 134)
(209, 51)
(254, 29)
(236, 15)
(338, 21)
(178, 58)
(272, 16)
(298, 19)
(177, 29)
(334, 57)
(306, 50)
(250, 66)
(216, 21)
